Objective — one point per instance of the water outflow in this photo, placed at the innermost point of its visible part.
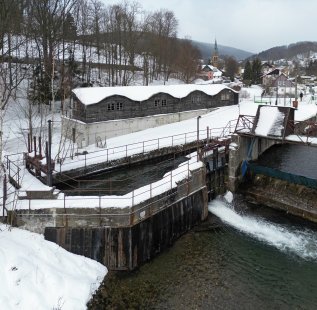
(286, 238)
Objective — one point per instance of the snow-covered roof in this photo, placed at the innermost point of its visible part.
(217, 73)
(212, 68)
(273, 71)
(270, 121)
(92, 95)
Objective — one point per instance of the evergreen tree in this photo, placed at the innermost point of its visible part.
(256, 71)
(247, 74)
(69, 27)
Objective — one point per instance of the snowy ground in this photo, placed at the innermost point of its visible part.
(37, 274)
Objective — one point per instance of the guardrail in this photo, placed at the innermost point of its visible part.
(275, 100)
(303, 130)
(7, 202)
(85, 158)
(14, 171)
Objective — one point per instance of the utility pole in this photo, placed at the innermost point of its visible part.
(198, 118)
(295, 103)
(49, 154)
(296, 86)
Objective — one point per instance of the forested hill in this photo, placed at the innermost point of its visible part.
(206, 49)
(288, 51)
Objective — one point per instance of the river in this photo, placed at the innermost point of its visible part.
(295, 159)
(257, 258)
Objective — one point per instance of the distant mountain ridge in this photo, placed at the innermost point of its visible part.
(287, 51)
(207, 49)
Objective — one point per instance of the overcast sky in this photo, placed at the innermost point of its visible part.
(251, 25)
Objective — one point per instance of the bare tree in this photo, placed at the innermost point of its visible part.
(187, 61)
(163, 29)
(231, 67)
(48, 19)
(10, 71)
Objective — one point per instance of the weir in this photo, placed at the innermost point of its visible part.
(299, 241)
(123, 232)
(253, 136)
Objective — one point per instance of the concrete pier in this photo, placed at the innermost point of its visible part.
(243, 148)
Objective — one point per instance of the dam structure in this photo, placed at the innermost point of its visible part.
(123, 226)
(256, 135)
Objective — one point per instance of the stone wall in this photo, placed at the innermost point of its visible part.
(278, 194)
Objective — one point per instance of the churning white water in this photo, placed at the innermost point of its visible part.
(284, 237)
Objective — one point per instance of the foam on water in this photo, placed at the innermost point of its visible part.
(285, 238)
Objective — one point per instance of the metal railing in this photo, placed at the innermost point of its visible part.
(275, 100)
(245, 124)
(113, 210)
(85, 158)
(14, 171)
(129, 199)
(304, 131)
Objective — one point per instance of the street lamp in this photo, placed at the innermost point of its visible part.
(198, 118)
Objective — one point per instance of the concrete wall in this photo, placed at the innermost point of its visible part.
(239, 152)
(88, 133)
(122, 239)
(95, 215)
(125, 248)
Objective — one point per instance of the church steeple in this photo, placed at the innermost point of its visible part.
(214, 58)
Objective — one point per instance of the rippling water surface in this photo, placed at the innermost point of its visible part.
(296, 159)
(257, 259)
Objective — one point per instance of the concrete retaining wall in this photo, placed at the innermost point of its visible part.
(125, 248)
(97, 216)
(88, 133)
